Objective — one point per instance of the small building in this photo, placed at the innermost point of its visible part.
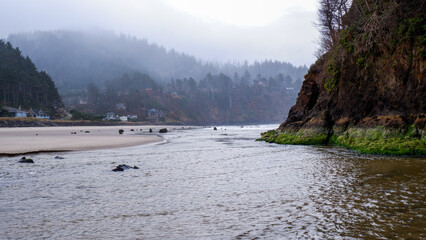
(38, 114)
(132, 117)
(14, 112)
(154, 114)
(124, 118)
(110, 116)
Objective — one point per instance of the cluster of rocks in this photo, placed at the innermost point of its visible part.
(29, 160)
(119, 168)
(123, 167)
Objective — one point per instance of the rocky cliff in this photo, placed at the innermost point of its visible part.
(368, 91)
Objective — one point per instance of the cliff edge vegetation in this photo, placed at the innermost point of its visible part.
(366, 92)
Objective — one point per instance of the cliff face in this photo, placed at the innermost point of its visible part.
(373, 78)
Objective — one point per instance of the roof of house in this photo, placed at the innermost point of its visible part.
(15, 110)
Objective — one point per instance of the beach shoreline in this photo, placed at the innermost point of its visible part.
(34, 140)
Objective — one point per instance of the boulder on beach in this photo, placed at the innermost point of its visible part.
(163, 130)
(123, 167)
(59, 157)
(26, 160)
(215, 128)
(120, 131)
(150, 130)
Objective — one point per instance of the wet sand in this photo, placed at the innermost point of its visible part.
(50, 139)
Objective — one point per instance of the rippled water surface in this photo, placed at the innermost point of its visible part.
(205, 184)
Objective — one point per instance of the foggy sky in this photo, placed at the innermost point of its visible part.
(277, 30)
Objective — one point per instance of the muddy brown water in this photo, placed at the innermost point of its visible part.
(205, 184)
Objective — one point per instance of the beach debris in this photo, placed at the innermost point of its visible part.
(26, 160)
(120, 131)
(36, 134)
(163, 130)
(215, 128)
(132, 130)
(150, 130)
(86, 131)
(123, 167)
(59, 157)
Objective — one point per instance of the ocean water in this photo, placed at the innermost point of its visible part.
(205, 184)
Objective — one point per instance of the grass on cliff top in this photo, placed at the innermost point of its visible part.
(371, 141)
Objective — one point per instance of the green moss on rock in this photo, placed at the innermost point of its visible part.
(381, 140)
(378, 140)
(301, 137)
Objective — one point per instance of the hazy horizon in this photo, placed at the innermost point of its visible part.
(214, 31)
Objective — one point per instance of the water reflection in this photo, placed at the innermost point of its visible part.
(208, 184)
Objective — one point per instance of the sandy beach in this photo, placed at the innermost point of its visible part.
(50, 139)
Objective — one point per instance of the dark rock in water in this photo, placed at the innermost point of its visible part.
(150, 130)
(58, 157)
(86, 131)
(215, 128)
(163, 130)
(132, 130)
(120, 131)
(26, 160)
(123, 167)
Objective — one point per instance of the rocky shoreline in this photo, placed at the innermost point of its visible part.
(388, 136)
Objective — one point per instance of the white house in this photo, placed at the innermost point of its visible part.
(110, 116)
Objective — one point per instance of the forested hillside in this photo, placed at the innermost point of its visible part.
(96, 72)
(215, 99)
(76, 58)
(22, 85)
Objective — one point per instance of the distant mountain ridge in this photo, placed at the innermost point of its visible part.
(76, 58)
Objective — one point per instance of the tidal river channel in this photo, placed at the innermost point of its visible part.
(205, 184)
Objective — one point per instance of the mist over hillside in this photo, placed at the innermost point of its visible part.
(74, 59)
(100, 72)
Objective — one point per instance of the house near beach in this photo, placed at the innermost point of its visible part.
(37, 114)
(110, 116)
(154, 115)
(12, 112)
